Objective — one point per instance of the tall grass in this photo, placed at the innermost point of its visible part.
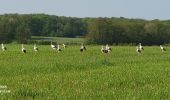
(122, 74)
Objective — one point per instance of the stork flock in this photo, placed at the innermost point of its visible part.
(35, 48)
(104, 49)
(140, 48)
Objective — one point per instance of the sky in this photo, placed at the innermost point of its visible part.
(144, 9)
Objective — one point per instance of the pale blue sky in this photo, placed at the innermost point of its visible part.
(146, 9)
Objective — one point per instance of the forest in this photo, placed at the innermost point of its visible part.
(20, 28)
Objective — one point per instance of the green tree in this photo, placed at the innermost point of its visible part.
(23, 34)
(100, 31)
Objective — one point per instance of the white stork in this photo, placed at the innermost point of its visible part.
(82, 48)
(108, 48)
(162, 48)
(141, 47)
(54, 47)
(104, 50)
(138, 50)
(35, 48)
(58, 48)
(23, 49)
(3, 47)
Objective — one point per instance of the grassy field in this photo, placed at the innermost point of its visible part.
(71, 75)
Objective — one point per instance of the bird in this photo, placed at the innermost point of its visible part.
(138, 50)
(108, 48)
(64, 46)
(23, 49)
(104, 50)
(82, 48)
(3, 47)
(141, 47)
(58, 48)
(162, 48)
(54, 47)
(35, 48)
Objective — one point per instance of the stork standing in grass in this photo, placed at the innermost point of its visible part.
(108, 48)
(54, 47)
(82, 48)
(140, 46)
(138, 50)
(23, 49)
(104, 50)
(3, 47)
(58, 48)
(162, 48)
(35, 48)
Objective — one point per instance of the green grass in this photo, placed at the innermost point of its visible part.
(72, 75)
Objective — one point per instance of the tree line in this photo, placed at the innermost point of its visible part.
(21, 27)
(122, 30)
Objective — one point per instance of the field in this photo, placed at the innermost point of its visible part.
(49, 75)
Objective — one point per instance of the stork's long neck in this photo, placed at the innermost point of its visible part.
(107, 46)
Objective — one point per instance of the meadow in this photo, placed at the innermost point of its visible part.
(91, 75)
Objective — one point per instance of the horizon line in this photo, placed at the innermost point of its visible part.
(84, 16)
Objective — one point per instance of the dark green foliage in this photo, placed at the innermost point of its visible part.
(22, 27)
(97, 30)
(118, 30)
